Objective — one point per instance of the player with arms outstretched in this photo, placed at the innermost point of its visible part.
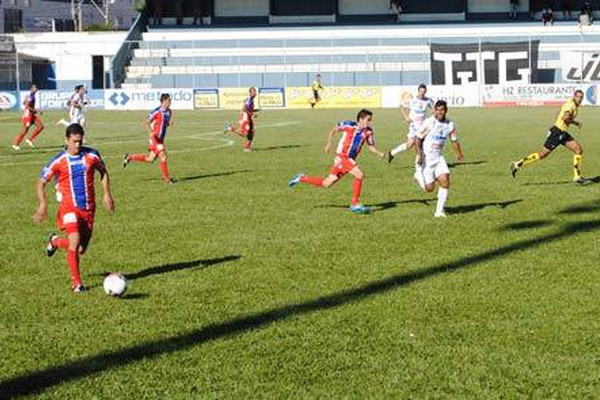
(354, 136)
(317, 87)
(245, 127)
(31, 116)
(157, 123)
(414, 113)
(74, 169)
(558, 135)
(76, 104)
(431, 164)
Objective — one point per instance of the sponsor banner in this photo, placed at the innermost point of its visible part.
(335, 97)
(271, 97)
(486, 63)
(8, 100)
(455, 96)
(535, 95)
(147, 99)
(233, 98)
(206, 98)
(57, 100)
(580, 66)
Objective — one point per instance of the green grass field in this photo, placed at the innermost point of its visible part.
(240, 287)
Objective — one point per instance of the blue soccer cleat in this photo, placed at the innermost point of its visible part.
(295, 180)
(360, 209)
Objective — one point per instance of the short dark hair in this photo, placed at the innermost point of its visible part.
(441, 103)
(363, 113)
(164, 97)
(318, 75)
(422, 86)
(74, 129)
(78, 87)
(578, 91)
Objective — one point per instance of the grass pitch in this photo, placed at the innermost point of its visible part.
(240, 287)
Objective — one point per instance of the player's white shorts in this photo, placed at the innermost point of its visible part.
(434, 165)
(413, 128)
(77, 117)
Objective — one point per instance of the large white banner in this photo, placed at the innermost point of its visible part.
(535, 95)
(455, 96)
(580, 67)
(147, 99)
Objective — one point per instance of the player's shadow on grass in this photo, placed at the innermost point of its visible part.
(283, 147)
(476, 207)
(518, 226)
(213, 175)
(38, 381)
(592, 181)
(461, 164)
(582, 209)
(168, 268)
(387, 205)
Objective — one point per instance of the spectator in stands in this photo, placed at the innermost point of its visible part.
(197, 11)
(586, 16)
(514, 6)
(156, 11)
(396, 9)
(547, 14)
(565, 7)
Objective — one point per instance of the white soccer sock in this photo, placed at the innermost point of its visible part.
(399, 149)
(419, 176)
(441, 200)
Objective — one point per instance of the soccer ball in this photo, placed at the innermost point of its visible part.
(115, 284)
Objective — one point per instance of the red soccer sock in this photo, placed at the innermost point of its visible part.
(36, 133)
(20, 137)
(61, 243)
(73, 261)
(356, 189)
(248, 144)
(312, 180)
(137, 158)
(165, 171)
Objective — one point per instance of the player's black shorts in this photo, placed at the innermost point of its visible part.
(557, 137)
(316, 95)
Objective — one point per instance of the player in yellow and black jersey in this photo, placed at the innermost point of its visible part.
(317, 86)
(558, 135)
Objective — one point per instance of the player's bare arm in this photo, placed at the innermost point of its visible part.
(374, 150)
(42, 211)
(109, 202)
(457, 147)
(330, 138)
(404, 110)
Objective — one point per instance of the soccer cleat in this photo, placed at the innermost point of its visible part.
(359, 209)
(29, 143)
(79, 289)
(295, 180)
(390, 157)
(125, 160)
(172, 181)
(581, 181)
(513, 169)
(16, 147)
(50, 248)
(440, 215)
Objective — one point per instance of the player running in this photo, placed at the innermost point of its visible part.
(558, 135)
(76, 104)
(74, 168)
(414, 112)
(354, 135)
(246, 121)
(30, 117)
(157, 123)
(431, 164)
(317, 87)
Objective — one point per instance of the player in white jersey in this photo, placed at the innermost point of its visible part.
(431, 164)
(414, 113)
(76, 104)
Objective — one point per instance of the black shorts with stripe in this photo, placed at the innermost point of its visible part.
(557, 137)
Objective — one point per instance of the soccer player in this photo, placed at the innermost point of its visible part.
(431, 164)
(354, 136)
(157, 123)
(76, 104)
(317, 86)
(74, 168)
(246, 121)
(414, 113)
(558, 135)
(30, 117)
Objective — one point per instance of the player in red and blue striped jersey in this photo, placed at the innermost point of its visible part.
(31, 116)
(74, 169)
(157, 123)
(354, 136)
(246, 120)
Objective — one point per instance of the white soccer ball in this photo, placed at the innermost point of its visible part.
(115, 284)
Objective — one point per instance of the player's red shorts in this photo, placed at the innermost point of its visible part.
(246, 123)
(342, 166)
(30, 118)
(73, 220)
(157, 146)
